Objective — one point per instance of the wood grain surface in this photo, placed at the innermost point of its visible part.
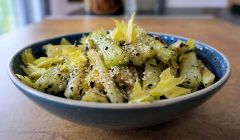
(218, 118)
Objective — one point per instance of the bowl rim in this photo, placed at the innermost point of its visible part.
(76, 103)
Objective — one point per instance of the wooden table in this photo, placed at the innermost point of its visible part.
(218, 118)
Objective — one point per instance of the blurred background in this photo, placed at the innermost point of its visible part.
(15, 14)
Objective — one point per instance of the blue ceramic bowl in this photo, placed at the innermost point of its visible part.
(123, 116)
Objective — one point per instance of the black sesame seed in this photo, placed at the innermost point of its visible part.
(178, 71)
(104, 92)
(81, 90)
(92, 84)
(45, 90)
(153, 65)
(157, 38)
(161, 41)
(181, 45)
(91, 67)
(137, 54)
(87, 49)
(163, 97)
(149, 85)
(106, 48)
(108, 100)
(121, 43)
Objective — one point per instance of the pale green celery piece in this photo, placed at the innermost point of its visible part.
(177, 91)
(54, 81)
(143, 99)
(113, 55)
(89, 44)
(124, 74)
(207, 76)
(145, 46)
(35, 72)
(86, 43)
(134, 54)
(174, 66)
(113, 92)
(25, 69)
(74, 85)
(25, 79)
(92, 95)
(140, 50)
(46, 62)
(183, 47)
(64, 41)
(189, 69)
(83, 39)
(139, 96)
(151, 74)
(163, 54)
(27, 57)
(137, 90)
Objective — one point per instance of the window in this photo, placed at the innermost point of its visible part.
(18, 13)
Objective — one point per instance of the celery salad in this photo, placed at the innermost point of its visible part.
(124, 65)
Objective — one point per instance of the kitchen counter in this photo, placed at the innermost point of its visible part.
(218, 118)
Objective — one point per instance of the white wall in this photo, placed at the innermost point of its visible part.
(197, 3)
(61, 7)
(150, 4)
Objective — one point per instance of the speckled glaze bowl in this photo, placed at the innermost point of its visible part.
(124, 116)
